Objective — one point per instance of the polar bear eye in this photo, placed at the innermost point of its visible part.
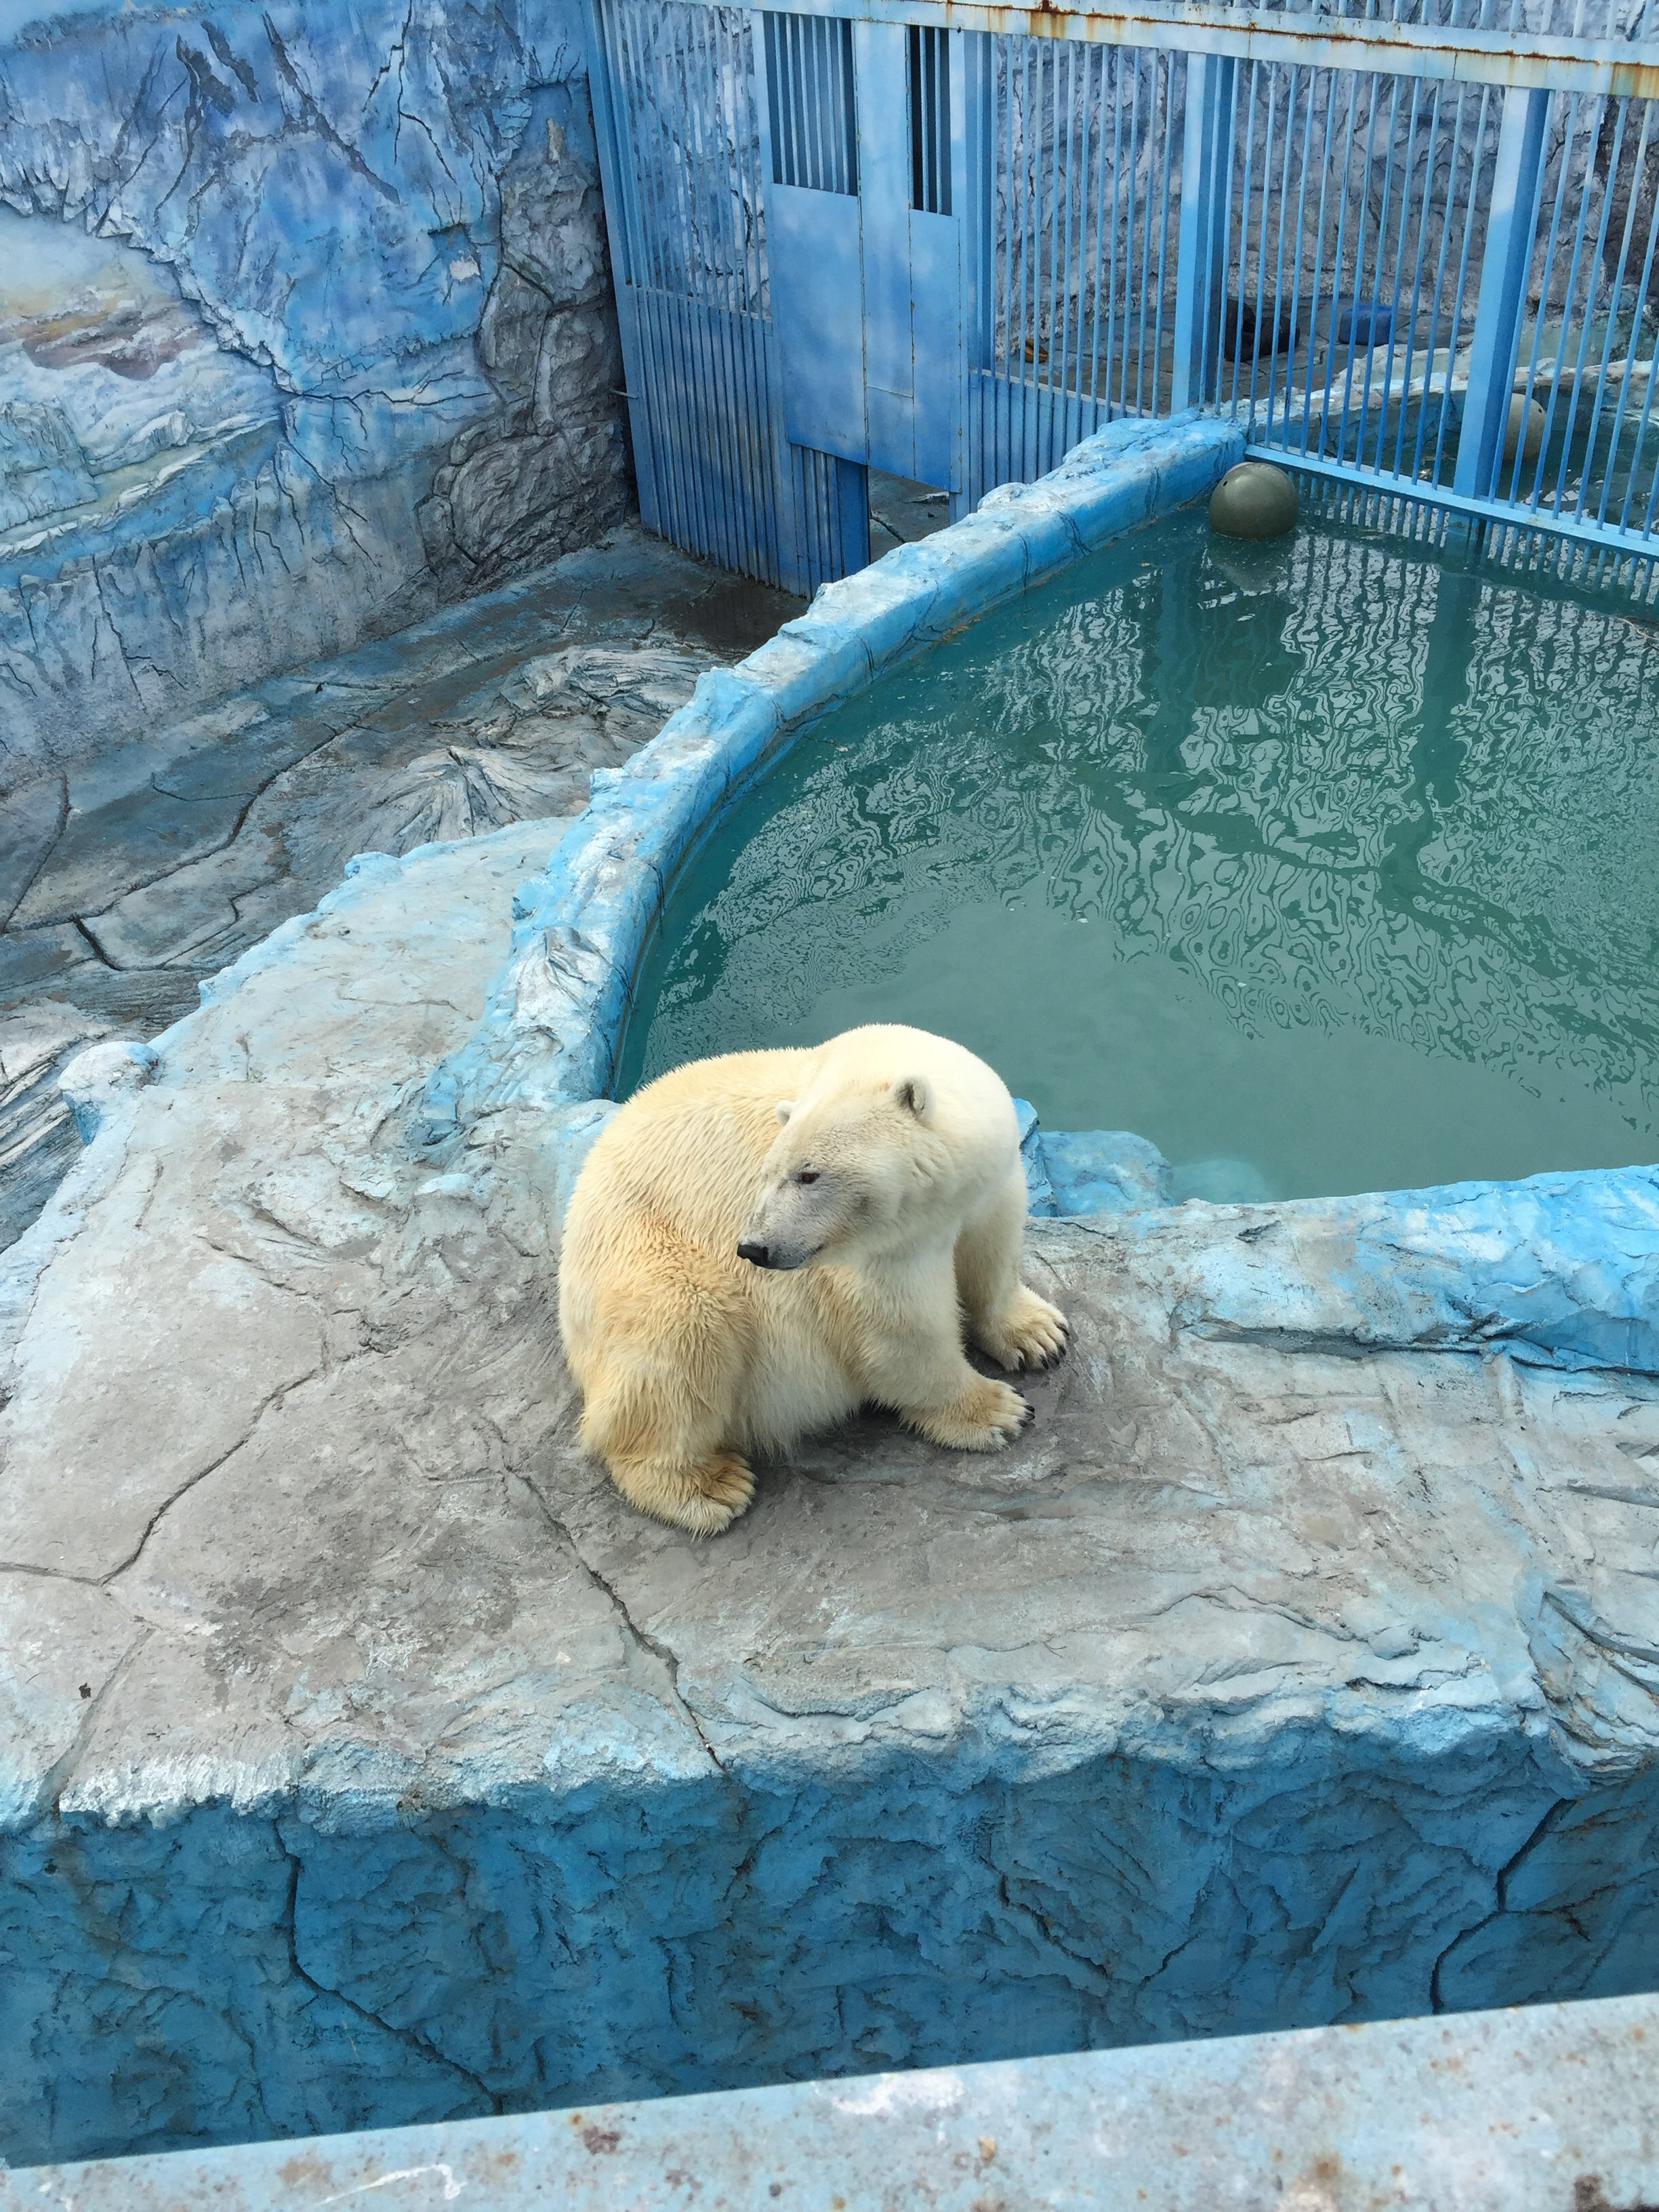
(807, 1174)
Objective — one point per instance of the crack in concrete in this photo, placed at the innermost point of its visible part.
(46, 852)
(1501, 1891)
(410, 2038)
(270, 1402)
(50, 1574)
(57, 1778)
(663, 1653)
(1017, 1908)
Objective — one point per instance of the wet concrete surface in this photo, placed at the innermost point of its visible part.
(901, 512)
(126, 880)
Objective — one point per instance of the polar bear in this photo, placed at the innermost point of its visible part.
(761, 1243)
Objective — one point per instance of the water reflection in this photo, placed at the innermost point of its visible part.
(1326, 854)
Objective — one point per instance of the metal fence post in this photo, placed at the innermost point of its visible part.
(1201, 254)
(1502, 301)
(618, 182)
(973, 183)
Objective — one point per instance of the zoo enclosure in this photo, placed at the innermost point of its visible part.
(1415, 257)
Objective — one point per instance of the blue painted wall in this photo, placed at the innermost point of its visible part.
(322, 1964)
(351, 294)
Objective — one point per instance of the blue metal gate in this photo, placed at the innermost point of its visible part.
(1416, 256)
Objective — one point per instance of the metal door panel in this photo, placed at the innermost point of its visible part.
(936, 348)
(812, 244)
(885, 197)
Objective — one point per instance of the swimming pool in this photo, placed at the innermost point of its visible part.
(1328, 866)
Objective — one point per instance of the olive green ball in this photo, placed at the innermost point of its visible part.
(1525, 428)
(1254, 499)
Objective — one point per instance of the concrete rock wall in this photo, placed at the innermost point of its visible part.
(365, 1759)
(343, 268)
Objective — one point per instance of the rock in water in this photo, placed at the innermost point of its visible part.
(1254, 499)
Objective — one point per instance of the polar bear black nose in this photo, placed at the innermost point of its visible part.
(756, 1255)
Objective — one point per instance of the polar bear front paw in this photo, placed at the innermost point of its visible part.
(984, 1418)
(705, 1496)
(1028, 1332)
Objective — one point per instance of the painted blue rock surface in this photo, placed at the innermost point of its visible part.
(305, 324)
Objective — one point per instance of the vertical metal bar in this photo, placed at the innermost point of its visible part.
(658, 205)
(1274, 72)
(653, 383)
(1105, 67)
(1460, 283)
(932, 42)
(916, 120)
(1413, 211)
(1292, 88)
(1332, 341)
(709, 415)
(783, 512)
(1077, 204)
(973, 160)
(1598, 262)
(613, 168)
(838, 103)
(1163, 222)
(1360, 251)
(1134, 324)
(1047, 456)
(808, 91)
(1229, 290)
(1502, 297)
(1566, 169)
(1216, 337)
(1115, 220)
(1637, 167)
(1571, 311)
(747, 126)
(1002, 233)
(1201, 253)
(1316, 287)
(849, 107)
(775, 64)
(802, 93)
(754, 487)
(1019, 468)
(1640, 445)
(1061, 270)
(1261, 236)
(1417, 292)
(711, 162)
(1090, 154)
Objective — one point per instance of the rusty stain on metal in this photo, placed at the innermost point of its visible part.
(1321, 42)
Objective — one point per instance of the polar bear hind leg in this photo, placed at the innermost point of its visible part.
(662, 1406)
(1013, 1324)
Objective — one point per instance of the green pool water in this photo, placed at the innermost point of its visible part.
(1330, 865)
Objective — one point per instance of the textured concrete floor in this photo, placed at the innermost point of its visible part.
(126, 881)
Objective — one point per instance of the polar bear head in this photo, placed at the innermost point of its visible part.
(853, 1166)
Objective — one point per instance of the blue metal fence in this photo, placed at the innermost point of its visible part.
(1414, 250)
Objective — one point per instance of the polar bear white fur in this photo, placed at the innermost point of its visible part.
(761, 1243)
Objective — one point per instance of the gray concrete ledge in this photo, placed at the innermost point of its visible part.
(1551, 2109)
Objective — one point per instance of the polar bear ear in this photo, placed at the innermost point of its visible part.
(783, 1109)
(915, 1095)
